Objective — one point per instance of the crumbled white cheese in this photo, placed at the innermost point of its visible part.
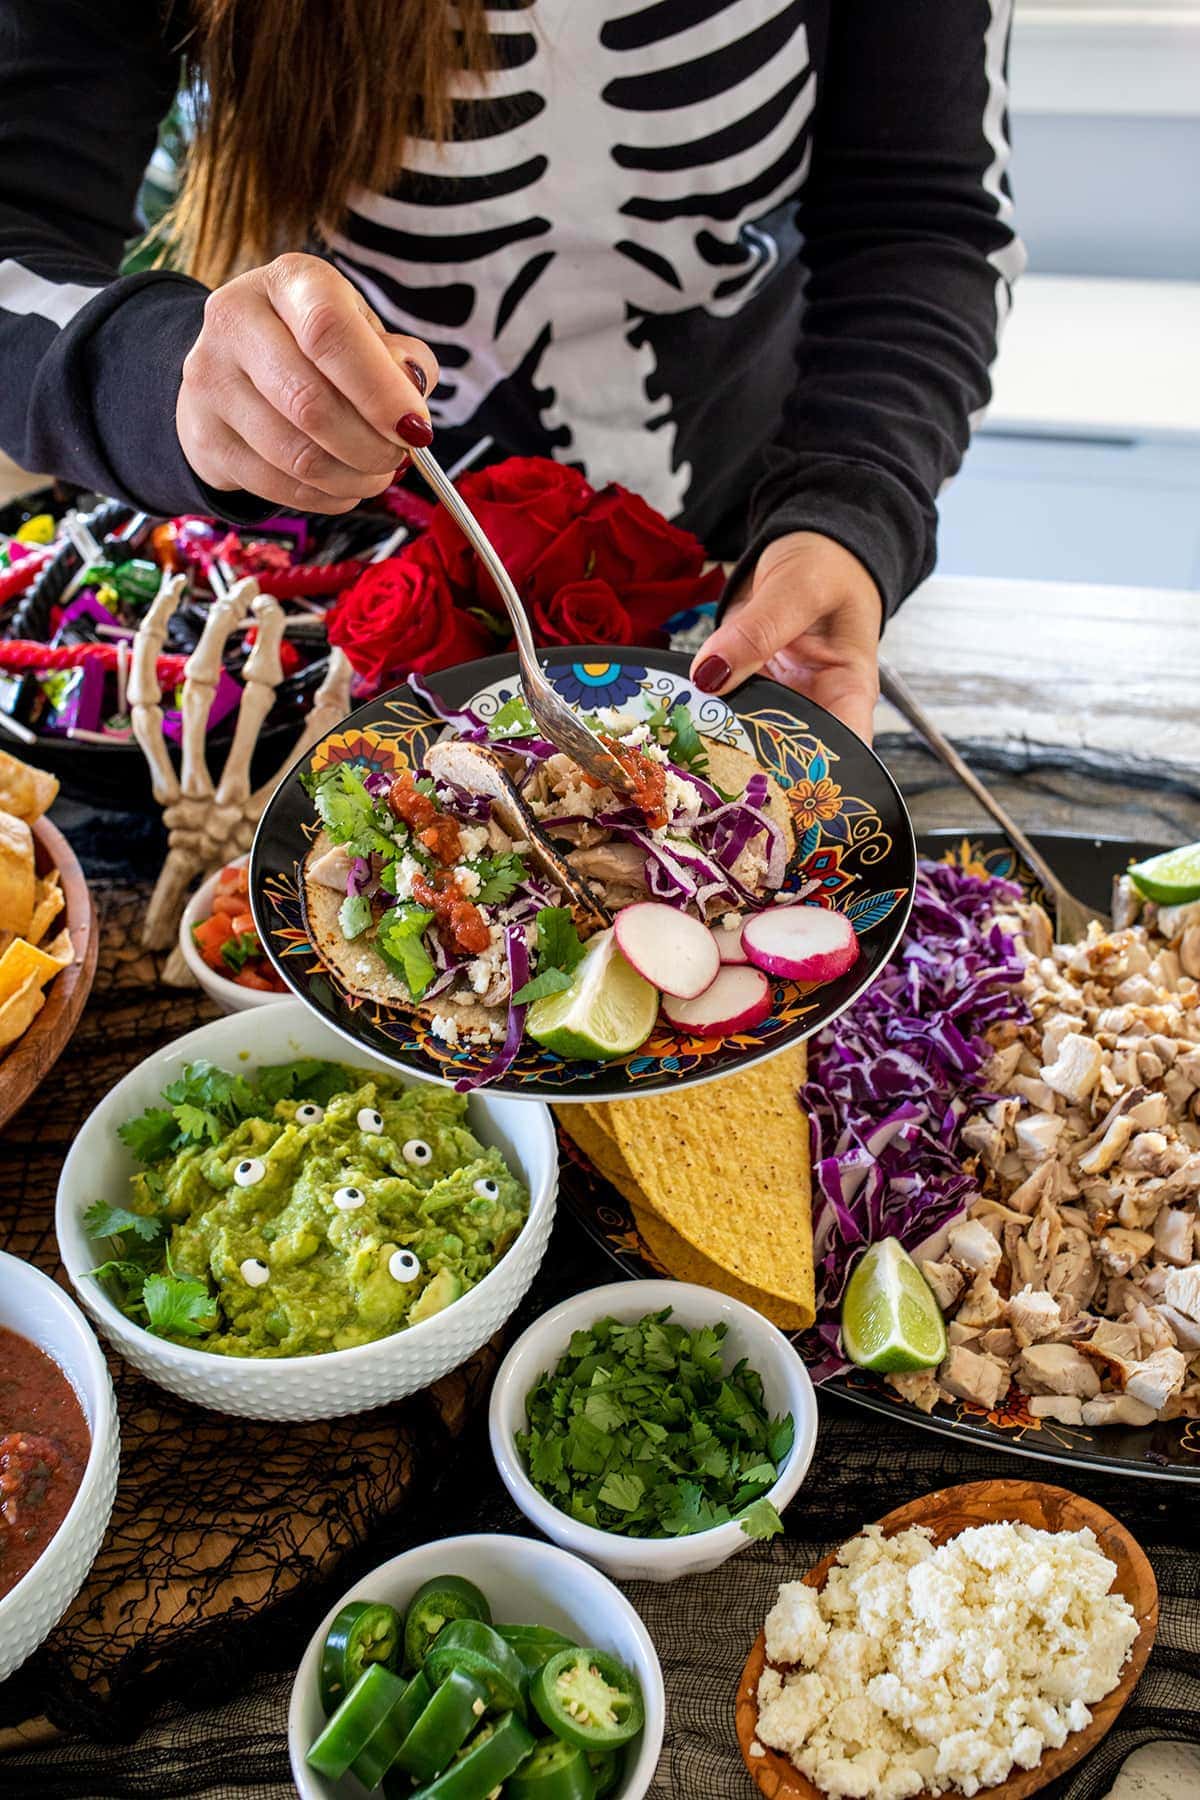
(474, 840)
(467, 881)
(919, 1669)
(682, 796)
(616, 720)
(481, 972)
(407, 870)
(444, 1028)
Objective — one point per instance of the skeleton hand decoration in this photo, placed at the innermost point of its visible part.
(208, 825)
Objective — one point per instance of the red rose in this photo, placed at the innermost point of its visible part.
(582, 612)
(523, 504)
(400, 616)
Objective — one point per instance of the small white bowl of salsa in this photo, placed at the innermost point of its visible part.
(59, 1450)
(220, 946)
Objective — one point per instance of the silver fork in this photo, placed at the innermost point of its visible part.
(1071, 916)
(557, 721)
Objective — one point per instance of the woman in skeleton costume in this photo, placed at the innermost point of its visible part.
(748, 257)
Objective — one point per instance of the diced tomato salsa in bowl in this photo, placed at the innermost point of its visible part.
(44, 1450)
(227, 940)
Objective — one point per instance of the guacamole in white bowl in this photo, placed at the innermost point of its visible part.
(301, 1208)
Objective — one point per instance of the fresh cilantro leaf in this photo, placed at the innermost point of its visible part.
(687, 746)
(128, 1276)
(546, 1463)
(348, 812)
(549, 981)
(499, 877)
(400, 942)
(425, 784)
(178, 1306)
(604, 1411)
(104, 1221)
(760, 1520)
(513, 720)
(151, 1137)
(622, 1491)
(781, 1435)
(354, 915)
(196, 1123)
(236, 952)
(387, 877)
(202, 1085)
(306, 1079)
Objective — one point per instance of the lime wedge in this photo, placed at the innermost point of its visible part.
(608, 1010)
(1171, 878)
(890, 1319)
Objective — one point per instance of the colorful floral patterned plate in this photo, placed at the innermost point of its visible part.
(1169, 1451)
(855, 852)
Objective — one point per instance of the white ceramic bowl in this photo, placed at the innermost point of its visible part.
(226, 994)
(526, 1582)
(37, 1308)
(786, 1388)
(339, 1381)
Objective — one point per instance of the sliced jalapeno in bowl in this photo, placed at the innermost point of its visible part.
(534, 1644)
(473, 1648)
(553, 1770)
(364, 1632)
(434, 1605)
(439, 1732)
(367, 1729)
(587, 1698)
(605, 1767)
(485, 1765)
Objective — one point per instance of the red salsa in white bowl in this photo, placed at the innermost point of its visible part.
(44, 1448)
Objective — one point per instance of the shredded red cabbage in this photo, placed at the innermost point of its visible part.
(467, 724)
(475, 808)
(359, 877)
(517, 951)
(892, 1082)
(377, 783)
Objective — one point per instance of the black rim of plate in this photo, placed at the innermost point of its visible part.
(1161, 1451)
(855, 850)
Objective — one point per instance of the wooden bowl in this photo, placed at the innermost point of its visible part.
(24, 1064)
(946, 1513)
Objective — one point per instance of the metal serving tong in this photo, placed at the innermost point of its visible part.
(1071, 916)
(555, 720)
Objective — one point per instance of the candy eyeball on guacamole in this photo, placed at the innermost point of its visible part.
(224, 1172)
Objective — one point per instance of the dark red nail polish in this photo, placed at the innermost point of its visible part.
(415, 430)
(417, 375)
(712, 674)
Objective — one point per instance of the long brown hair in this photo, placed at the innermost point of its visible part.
(301, 101)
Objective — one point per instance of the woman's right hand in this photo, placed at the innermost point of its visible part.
(295, 392)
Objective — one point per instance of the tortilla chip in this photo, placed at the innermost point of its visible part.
(728, 1171)
(24, 791)
(18, 879)
(19, 1011)
(46, 908)
(21, 960)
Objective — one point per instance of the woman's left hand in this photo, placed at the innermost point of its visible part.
(809, 616)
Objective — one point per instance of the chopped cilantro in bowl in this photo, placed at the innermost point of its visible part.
(644, 1428)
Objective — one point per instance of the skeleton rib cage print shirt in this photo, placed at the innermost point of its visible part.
(747, 257)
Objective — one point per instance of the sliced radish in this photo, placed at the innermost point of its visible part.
(738, 1000)
(805, 943)
(671, 949)
(729, 942)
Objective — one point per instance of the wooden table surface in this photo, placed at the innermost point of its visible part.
(1082, 702)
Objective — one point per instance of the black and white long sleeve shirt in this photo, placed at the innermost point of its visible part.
(748, 257)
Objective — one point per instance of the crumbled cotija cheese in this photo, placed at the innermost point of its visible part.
(919, 1668)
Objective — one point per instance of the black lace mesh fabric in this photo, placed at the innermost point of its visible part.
(217, 1520)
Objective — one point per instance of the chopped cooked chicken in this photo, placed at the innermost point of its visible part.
(974, 1246)
(1181, 1290)
(1158, 1379)
(332, 868)
(968, 1376)
(1116, 1409)
(1076, 1069)
(1077, 1269)
(1066, 1408)
(1056, 1369)
(982, 1305)
(1033, 1316)
(946, 1281)
(919, 1388)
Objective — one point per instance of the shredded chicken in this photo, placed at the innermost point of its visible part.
(1076, 1274)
